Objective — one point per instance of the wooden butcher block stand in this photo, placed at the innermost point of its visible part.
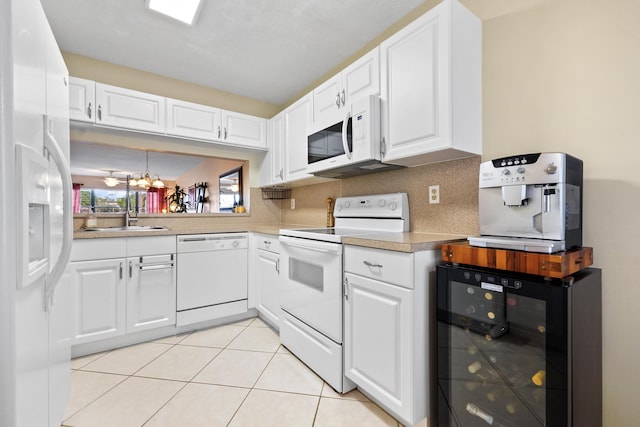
(556, 265)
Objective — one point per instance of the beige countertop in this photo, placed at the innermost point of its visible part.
(400, 242)
(403, 242)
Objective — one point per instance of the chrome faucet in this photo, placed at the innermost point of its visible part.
(127, 206)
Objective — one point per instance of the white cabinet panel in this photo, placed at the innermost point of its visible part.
(100, 299)
(327, 103)
(131, 109)
(151, 292)
(431, 73)
(82, 100)
(272, 166)
(193, 120)
(362, 78)
(297, 119)
(268, 278)
(243, 129)
(332, 99)
(376, 306)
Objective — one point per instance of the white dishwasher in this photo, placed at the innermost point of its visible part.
(212, 276)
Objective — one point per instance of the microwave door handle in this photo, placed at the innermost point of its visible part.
(56, 153)
(345, 143)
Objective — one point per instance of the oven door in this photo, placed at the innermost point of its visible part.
(312, 284)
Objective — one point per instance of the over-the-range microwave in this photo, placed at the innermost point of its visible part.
(350, 147)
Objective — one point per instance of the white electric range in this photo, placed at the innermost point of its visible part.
(312, 288)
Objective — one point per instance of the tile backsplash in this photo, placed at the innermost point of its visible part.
(457, 212)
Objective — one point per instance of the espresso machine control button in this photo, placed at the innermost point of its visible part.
(551, 169)
(506, 172)
(520, 170)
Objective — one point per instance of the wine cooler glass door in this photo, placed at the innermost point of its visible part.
(501, 350)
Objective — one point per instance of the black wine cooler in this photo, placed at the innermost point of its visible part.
(518, 350)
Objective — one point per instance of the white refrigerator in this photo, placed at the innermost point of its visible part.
(36, 308)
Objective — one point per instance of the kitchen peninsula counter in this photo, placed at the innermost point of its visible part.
(401, 242)
(414, 241)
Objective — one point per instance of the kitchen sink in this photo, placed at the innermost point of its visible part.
(129, 228)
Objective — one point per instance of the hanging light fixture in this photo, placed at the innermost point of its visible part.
(145, 179)
(111, 181)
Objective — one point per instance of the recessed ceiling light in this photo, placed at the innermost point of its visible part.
(182, 10)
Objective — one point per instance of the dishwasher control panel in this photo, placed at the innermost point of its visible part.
(211, 242)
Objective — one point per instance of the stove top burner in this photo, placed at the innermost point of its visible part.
(361, 215)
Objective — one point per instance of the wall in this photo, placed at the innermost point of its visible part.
(118, 75)
(209, 171)
(562, 75)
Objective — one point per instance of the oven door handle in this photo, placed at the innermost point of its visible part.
(317, 246)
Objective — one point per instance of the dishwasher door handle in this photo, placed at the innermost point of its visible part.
(154, 267)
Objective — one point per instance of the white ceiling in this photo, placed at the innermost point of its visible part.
(264, 49)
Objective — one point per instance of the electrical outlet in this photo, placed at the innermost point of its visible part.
(434, 194)
(293, 203)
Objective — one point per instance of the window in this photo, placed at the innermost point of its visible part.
(111, 201)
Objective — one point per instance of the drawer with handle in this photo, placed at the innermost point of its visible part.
(387, 266)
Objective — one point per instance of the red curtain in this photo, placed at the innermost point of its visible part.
(76, 198)
(156, 202)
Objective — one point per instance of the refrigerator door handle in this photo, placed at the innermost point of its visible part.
(56, 153)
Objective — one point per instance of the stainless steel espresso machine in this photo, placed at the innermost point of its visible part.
(531, 202)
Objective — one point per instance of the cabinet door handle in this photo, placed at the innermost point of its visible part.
(120, 271)
(225, 133)
(278, 265)
(130, 269)
(280, 174)
(343, 97)
(89, 110)
(219, 134)
(100, 112)
(346, 289)
(338, 100)
(371, 264)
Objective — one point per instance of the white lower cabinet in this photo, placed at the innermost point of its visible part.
(386, 337)
(267, 277)
(99, 288)
(151, 292)
(118, 294)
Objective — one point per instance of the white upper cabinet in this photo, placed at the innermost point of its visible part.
(272, 166)
(190, 120)
(82, 100)
(333, 98)
(431, 73)
(125, 108)
(297, 119)
(243, 129)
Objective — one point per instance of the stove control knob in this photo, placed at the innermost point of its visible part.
(382, 203)
(235, 243)
(506, 171)
(347, 204)
(551, 169)
(520, 169)
(393, 206)
(339, 207)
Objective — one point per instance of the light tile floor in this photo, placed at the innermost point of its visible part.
(234, 375)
